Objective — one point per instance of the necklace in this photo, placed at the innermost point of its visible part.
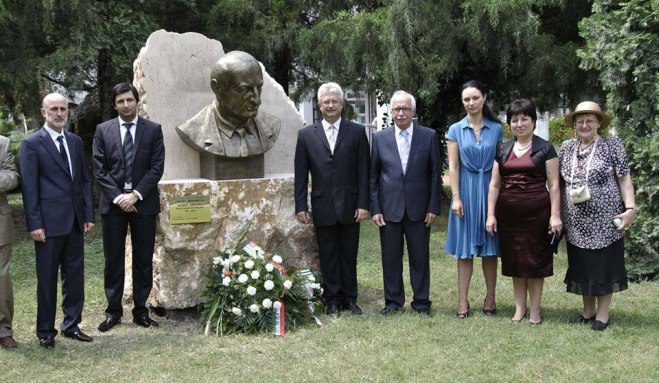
(583, 149)
(521, 149)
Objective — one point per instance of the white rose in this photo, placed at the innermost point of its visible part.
(254, 308)
(269, 267)
(249, 264)
(235, 258)
(251, 290)
(226, 281)
(276, 305)
(255, 274)
(267, 303)
(217, 260)
(269, 285)
(288, 284)
(242, 278)
(314, 285)
(236, 311)
(277, 259)
(311, 278)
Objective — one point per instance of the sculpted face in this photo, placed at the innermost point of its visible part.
(239, 96)
(402, 111)
(522, 126)
(55, 110)
(330, 106)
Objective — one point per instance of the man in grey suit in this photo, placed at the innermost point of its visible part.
(129, 158)
(405, 186)
(9, 180)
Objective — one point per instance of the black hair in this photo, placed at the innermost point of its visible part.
(521, 106)
(122, 88)
(487, 112)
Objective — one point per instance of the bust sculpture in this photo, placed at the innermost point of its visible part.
(232, 125)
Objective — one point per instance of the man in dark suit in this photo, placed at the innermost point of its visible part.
(57, 198)
(9, 180)
(129, 157)
(405, 187)
(335, 152)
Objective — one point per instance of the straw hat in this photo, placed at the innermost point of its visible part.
(587, 107)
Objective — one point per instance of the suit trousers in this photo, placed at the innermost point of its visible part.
(417, 237)
(143, 236)
(64, 253)
(337, 250)
(6, 292)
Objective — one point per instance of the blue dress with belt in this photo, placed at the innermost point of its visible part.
(466, 236)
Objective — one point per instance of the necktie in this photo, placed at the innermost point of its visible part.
(62, 152)
(128, 154)
(332, 137)
(404, 149)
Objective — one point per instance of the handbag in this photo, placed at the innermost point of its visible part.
(581, 194)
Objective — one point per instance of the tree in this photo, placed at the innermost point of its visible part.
(622, 41)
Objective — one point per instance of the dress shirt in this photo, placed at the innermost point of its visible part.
(328, 131)
(123, 131)
(400, 142)
(53, 135)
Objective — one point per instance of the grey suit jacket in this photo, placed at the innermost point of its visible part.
(9, 180)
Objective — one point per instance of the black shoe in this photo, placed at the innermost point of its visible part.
(47, 342)
(333, 310)
(352, 306)
(465, 314)
(423, 312)
(145, 321)
(78, 335)
(581, 319)
(389, 310)
(599, 325)
(108, 323)
(489, 312)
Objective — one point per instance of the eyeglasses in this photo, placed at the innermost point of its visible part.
(405, 110)
(587, 122)
(330, 102)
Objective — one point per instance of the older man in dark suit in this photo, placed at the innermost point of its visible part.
(129, 157)
(405, 186)
(57, 198)
(335, 152)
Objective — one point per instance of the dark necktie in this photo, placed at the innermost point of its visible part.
(128, 154)
(62, 152)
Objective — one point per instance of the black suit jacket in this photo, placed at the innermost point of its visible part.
(416, 192)
(148, 165)
(339, 181)
(54, 199)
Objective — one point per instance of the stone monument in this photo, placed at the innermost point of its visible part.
(172, 74)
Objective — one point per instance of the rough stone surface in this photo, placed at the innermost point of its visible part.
(184, 253)
(172, 74)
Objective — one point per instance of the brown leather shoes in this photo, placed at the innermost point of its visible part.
(8, 342)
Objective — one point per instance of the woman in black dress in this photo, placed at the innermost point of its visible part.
(524, 206)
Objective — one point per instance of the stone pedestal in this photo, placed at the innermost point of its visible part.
(184, 253)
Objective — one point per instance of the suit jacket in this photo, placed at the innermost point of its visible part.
(54, 199)
(416, 192)
(203, 135)
(9, 180)
(541, 151)
(339, 181)
(148, 165)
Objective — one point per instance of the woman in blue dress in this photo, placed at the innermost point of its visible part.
(472, 144)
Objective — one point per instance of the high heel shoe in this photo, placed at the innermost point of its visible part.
(526, 314)
(535, 323)
(489, 312)
(463, 315)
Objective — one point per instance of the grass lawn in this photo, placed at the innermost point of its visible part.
(370, 348)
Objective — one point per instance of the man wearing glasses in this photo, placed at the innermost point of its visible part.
(405, 186)
(335, 152)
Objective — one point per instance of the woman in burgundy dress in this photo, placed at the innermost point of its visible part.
(524, 206)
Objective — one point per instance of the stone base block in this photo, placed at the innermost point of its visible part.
(184, 252)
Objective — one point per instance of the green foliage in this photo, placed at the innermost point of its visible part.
(559, 131)
(622, 41)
